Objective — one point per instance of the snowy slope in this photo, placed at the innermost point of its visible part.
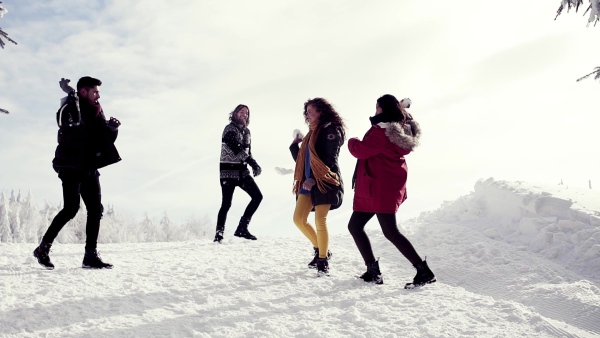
(513, 259)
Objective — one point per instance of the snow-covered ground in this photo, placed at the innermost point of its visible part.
(513, 259)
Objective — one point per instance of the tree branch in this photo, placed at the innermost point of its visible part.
(596, 77)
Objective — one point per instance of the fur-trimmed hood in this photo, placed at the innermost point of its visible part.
(404, 135)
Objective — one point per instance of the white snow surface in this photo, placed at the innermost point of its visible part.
(513, 259)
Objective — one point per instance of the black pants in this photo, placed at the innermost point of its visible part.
(78, 183)
(357, 223)
(227, 187)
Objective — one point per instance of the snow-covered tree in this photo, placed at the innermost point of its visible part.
(31, 219)
(169, 229)
(22, 222)
(5, 231)
(594, 10)
(15, 224)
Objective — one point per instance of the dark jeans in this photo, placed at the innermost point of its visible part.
(227, 187)
(78, 183)
(357, 223)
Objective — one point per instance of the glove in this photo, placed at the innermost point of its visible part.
(308, 184)
(113, 124)
(256, 170)
(64, 85)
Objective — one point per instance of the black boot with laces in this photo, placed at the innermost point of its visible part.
(424, 276)
(242, 229)
(41, 253)
(373, 274)
(322, 267)
(92, 260)
(313, 263)
(218, 236)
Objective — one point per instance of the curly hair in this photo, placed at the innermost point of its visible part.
(326, 113)
(236, 110)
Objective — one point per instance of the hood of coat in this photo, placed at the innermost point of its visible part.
(404, 135)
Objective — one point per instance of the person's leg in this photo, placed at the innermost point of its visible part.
(227, 188)
(391, 232)
(250, 187)
(321, 212)
(71, 200)
(356, 226)
(92, 198)
(303, 208)
(71, 181)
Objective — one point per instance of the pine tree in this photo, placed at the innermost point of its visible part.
(148, 230)
(3, 34)
(169, 229)
(15, 223)
(594, 9)
(2, 43)
(5, 231)
(30, 219)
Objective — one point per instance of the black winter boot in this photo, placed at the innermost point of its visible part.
(92, 260)
(218, 236)
(373, 274)
(242, 229)
(423, 276)
(322, 267)
(313, 263)
(41, 253)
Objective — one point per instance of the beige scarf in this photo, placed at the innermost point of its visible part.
(323, 174)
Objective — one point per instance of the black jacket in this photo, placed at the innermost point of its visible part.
(84, 140)
(327, 146)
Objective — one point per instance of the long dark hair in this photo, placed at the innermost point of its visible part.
(390, 106)
(236, 110)
(327, 113)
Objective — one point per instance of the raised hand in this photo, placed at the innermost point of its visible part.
(64, 85)
(113, 123)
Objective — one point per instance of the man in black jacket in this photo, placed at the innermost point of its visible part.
(85, 144)
(236, 155)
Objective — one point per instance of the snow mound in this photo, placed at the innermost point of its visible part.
(558, 222)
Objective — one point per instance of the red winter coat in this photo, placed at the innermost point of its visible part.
(381, 170)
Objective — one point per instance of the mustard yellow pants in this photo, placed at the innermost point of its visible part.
(319, 238)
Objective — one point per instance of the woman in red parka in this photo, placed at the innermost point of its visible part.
(379, 184)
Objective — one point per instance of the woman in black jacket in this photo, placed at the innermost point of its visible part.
(318, 181)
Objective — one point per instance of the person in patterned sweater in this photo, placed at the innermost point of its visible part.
(236, 155)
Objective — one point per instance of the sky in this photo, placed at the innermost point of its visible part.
(512, 259)
(493, 89)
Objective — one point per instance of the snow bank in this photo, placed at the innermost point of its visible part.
(558, 222)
